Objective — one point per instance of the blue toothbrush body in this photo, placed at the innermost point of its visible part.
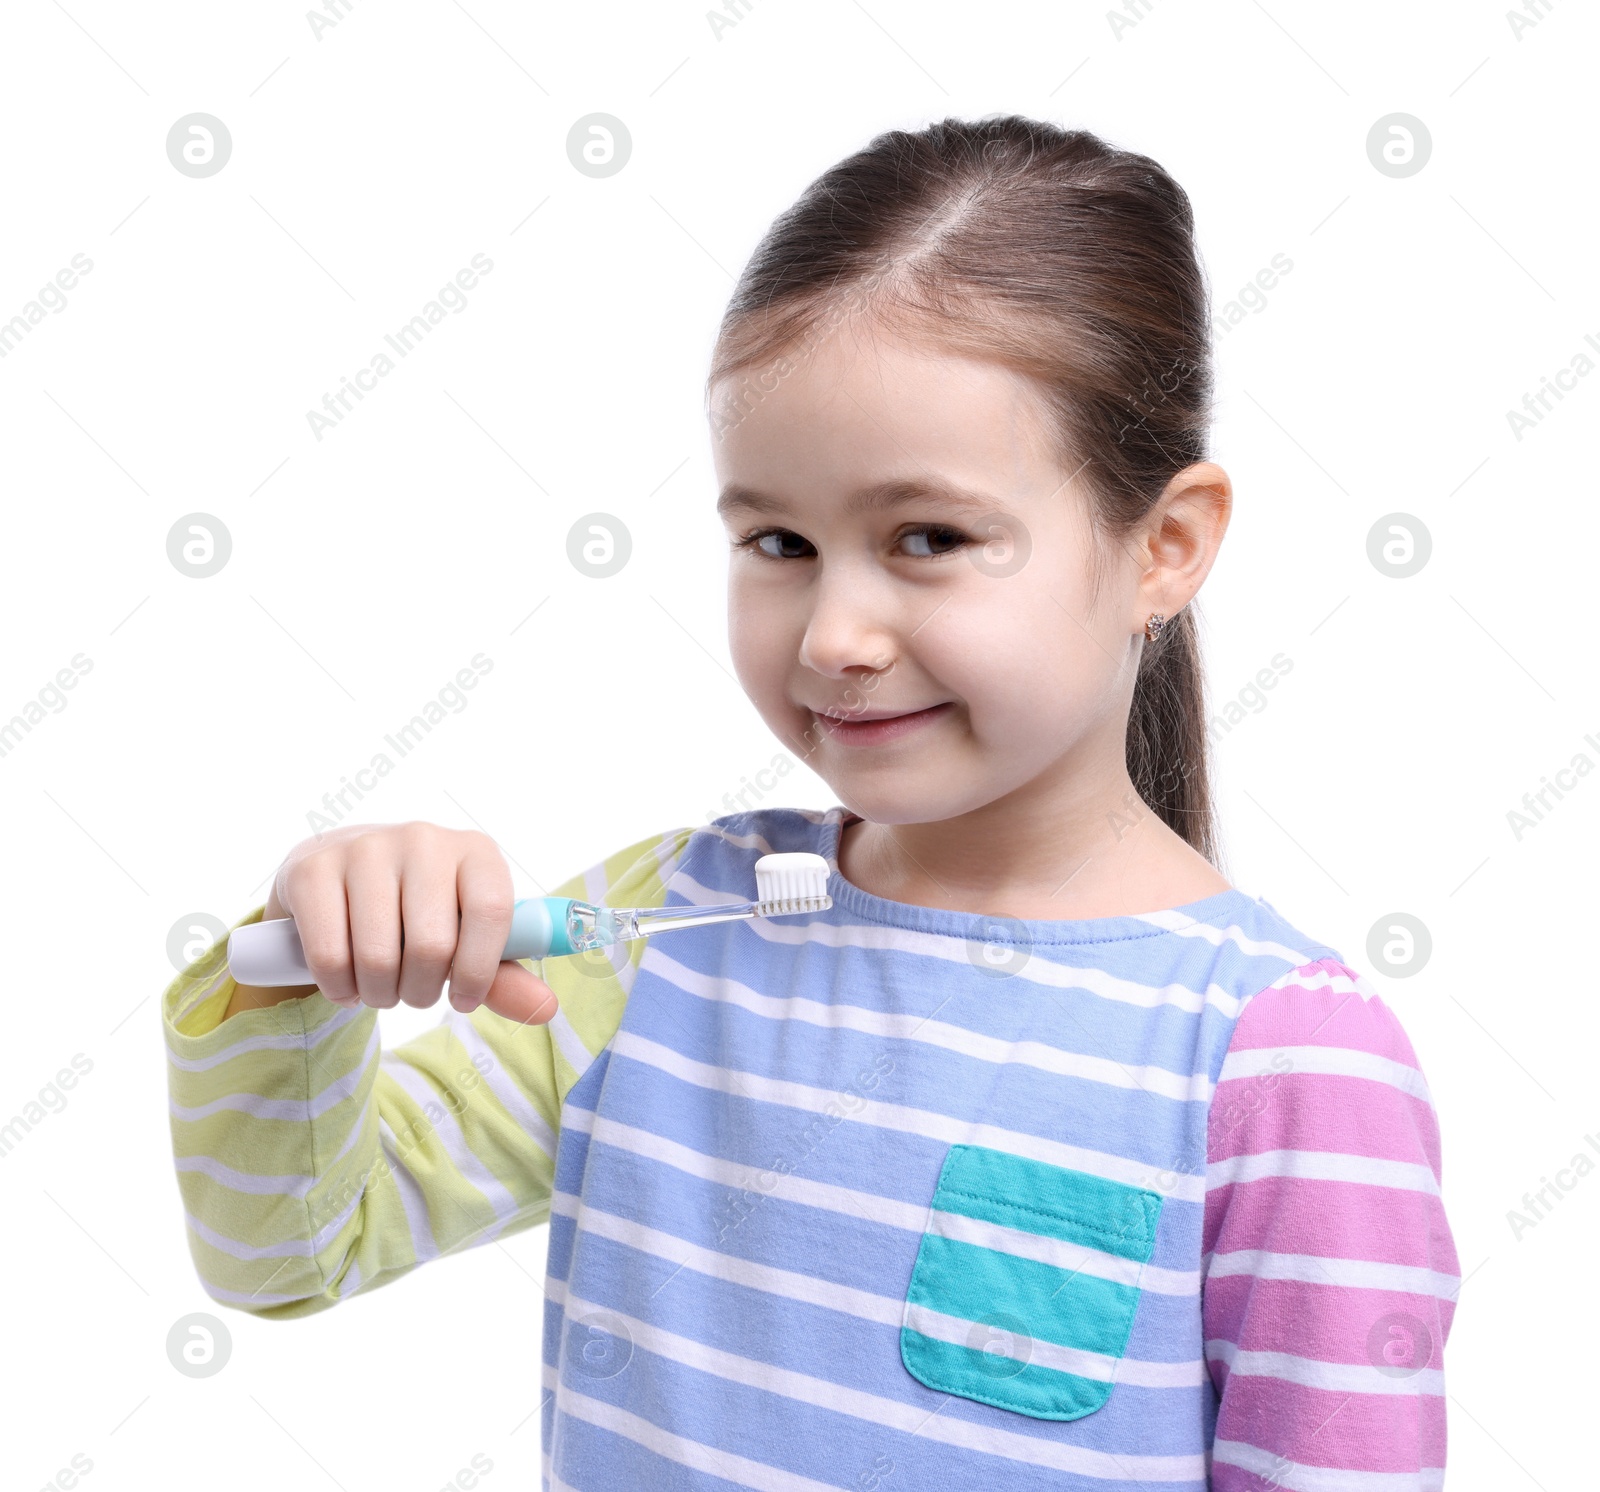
(269, 953)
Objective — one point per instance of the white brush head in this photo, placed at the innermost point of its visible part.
(792, 882)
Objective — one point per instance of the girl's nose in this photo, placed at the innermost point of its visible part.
(847, 630)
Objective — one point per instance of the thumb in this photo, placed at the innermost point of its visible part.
(520, 995)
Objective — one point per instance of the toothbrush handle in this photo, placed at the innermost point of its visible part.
(269, 954)
(540, 928)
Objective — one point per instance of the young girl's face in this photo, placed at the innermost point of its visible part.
(909, 602)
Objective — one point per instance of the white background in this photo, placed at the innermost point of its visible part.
(367, 568)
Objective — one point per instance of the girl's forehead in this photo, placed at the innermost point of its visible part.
(874, 362)
(848, 404)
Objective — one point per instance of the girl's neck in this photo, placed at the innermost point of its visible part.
(1100, 854)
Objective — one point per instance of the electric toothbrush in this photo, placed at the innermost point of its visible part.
(268, 954)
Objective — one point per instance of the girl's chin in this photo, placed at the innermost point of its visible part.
(905, 792)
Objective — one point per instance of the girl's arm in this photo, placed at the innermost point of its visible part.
(1330, 1275)
(313, 1164)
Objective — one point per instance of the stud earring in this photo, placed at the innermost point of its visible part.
(1152, 628)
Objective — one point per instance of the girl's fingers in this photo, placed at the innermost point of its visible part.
(483, 882)
(520, 995)
(313, 893)
(431, 920)
(372, 884)
(389, 912)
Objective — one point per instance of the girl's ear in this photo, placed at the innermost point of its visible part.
(1180, 537)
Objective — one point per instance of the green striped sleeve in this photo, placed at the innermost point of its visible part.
(312, 1163)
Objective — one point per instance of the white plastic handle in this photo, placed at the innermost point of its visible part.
(268, 954)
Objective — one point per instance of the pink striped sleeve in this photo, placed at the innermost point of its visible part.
(1329, 1273)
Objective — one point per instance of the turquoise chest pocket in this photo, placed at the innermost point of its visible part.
(1025, 1283)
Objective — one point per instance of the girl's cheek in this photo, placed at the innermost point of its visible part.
(977, 646)
(761, 650)
(1021, 669)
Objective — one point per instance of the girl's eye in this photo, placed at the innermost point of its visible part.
(932, 539)
(921, 541)
(774, 543)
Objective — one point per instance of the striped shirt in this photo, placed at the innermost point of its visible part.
(881, 1197)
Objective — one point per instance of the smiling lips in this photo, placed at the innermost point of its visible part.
(871, 730)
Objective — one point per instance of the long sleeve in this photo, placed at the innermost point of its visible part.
(313, 1164)
(1329, 1273)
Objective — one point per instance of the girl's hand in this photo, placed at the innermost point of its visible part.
(387, 912)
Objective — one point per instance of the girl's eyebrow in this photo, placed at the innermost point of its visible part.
(878, 497)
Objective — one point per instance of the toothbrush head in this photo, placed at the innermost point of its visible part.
(790, 883)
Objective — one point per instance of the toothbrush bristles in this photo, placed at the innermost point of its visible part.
(791, 905)
(790, 883)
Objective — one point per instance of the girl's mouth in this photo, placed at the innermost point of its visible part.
(872, 730)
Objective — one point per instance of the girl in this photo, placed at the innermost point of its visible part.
(1046, 1158)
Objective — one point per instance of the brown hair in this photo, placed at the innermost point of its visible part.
(1057, 255)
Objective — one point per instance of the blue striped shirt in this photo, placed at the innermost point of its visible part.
(882, 1197)
(895, 1196)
